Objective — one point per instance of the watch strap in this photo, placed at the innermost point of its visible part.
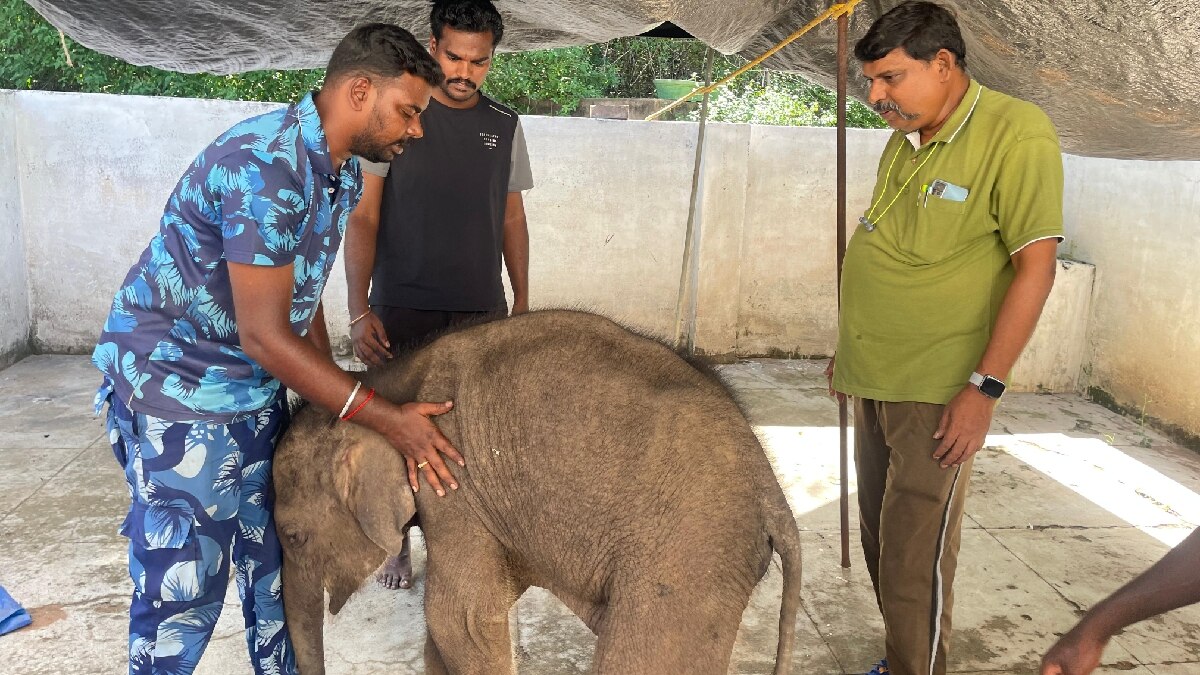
(987, 385)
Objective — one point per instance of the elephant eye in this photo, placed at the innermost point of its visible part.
(294, 535)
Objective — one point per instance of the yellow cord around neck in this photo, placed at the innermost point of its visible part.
(867, 221)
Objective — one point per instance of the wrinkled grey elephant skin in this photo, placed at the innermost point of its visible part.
(1118, 77)
(600, 466)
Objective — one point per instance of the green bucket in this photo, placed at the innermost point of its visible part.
(674, 89)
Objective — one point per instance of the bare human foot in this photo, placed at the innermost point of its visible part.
(396, 572)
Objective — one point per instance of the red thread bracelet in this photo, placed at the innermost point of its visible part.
(352, 413)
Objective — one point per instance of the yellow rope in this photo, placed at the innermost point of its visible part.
(63, 38)
(837, 10)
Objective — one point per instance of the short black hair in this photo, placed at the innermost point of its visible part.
(921, 28)
(469, 16)
(382, 50)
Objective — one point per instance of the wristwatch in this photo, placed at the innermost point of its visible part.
(988, 385)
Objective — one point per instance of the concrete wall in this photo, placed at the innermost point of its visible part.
(14, 289)
(607, 221)
(607, 215)
(1055, 358)
(98, 171)
(787, 297)
(1139, 223)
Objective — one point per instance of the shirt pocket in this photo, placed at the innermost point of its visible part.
(936, 231)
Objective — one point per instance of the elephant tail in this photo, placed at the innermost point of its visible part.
(785, 539)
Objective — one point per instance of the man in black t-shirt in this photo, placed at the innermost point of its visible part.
(428, 235)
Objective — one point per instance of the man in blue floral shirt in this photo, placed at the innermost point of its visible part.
(219, 316)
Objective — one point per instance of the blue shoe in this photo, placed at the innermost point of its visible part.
(880, 668)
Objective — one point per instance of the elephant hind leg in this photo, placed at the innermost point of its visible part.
(658, 634)
(467, 603)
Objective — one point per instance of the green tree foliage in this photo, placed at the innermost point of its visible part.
(639, 61)
(766, 97)
(34, 55)
(627, 68)
(561, 77)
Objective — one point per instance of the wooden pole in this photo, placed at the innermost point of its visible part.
(689, 277)
(843, 26)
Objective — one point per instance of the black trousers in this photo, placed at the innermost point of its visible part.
(408, 327)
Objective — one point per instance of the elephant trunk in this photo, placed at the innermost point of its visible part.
(303, 598)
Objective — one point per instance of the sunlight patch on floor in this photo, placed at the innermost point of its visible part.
(1109, 478)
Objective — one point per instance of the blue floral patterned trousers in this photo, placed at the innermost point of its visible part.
(196, 488)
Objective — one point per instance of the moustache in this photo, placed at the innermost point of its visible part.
(462, 80)
(889, 106)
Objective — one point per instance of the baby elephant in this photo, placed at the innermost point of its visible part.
(601, 466)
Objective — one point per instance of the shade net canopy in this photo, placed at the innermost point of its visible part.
(1118, 77)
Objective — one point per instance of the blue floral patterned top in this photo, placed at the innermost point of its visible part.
(264, 193)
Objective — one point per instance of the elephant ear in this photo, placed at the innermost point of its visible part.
(373, 483)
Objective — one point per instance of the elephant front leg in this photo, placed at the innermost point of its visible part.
(467, 603)
(434, 665)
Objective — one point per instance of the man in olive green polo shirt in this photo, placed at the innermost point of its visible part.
(944, 280)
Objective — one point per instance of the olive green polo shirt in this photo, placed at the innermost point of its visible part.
(921, 292)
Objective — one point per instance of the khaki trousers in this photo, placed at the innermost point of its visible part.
(911, 512)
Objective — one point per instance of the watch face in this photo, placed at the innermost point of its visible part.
(991, 387)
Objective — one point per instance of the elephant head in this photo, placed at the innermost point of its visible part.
(338, 513)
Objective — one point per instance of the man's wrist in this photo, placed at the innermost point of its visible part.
(377, 415)
(988, 385)
(356, 318)
(1103, 621)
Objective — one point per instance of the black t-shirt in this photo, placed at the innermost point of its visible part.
(441, 221)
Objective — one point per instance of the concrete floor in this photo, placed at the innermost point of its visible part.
(1069, 501)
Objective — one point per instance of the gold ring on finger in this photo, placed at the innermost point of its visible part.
(422, 465)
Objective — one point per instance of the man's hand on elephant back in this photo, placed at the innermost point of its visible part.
(370, 341)
(420, 441)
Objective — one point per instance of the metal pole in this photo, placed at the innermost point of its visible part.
(689, 278)
(843, 25)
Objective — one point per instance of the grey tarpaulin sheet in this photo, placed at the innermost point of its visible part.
(1118, 77)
